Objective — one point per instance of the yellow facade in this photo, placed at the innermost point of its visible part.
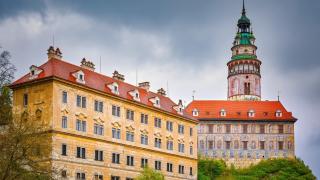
(46, 96)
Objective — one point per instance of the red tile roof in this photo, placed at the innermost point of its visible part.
(238, 110)
(61, 69)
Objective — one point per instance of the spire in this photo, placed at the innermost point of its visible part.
(243, 9)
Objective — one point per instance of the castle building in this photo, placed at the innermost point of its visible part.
(103, 127)
(243, 129)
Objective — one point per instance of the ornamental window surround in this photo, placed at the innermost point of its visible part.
(278, 113)
(195, 112)
(223, 113)
(251, 113)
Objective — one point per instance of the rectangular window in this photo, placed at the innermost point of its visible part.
(130, 161)
(144, 162)
(228, 128)
(262, 145)
(98, 155)
(98, 177)
(81, 176)
(157, 165)
(262, 129)
(115, 177)
(245, 145)
(81, 101)
(181, 169)
(169, 167)
(191, 172)
(157, 122)
(144, 139)
(181, 147)
(115, 133)
(64, 97)
(180, 129)
(144, 118)
(115, 158)
(191, 131)
(98, 106)
(228, 144)
(210, 127)
(169, 126)
(64, 122)
(81, 125)
(130, 136)
(280, 145)
(245, 128)
(170, 145)
(116, 111)
(191, 150)
(157, 142)
(98, 129)
(81, 152)
(64, 150)
(25, 99)
(210, 144)
(130, 114)
(280, 129)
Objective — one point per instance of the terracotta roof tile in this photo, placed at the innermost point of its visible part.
(62, 69)
(238, 110)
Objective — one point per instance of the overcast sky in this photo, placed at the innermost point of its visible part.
(183, 44)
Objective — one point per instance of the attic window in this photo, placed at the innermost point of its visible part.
(137, 95)
(195, 112)
(32, 72)
(81, 77)
(114, 88)
(251, 113)
(223, 113)
(278, 113)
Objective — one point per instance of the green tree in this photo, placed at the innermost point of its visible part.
(149, 173)
(24, 141)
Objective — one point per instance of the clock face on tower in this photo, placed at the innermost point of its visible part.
(244, 66)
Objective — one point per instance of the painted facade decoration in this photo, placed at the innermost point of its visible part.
(243, 129)
(103, 127)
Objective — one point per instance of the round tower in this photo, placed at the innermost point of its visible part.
(244, 67)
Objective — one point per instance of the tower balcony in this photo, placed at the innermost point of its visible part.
(232, 73)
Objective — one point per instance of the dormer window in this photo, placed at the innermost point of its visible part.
(278, 113)
(195, 112)
(223, 113)
(155, 101)
(79, 75)
(114, 88)
(34, 72)
(251, 113)
(135, 94)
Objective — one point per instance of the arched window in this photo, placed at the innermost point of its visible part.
(251, 113)
(278, 113)
(223, 113)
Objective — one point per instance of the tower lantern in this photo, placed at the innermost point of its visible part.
(244, 67)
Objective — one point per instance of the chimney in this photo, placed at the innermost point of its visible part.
(87, 64)
(145, 85)
(118, 76)
(58, 53)
(54, 53)
(162, 92)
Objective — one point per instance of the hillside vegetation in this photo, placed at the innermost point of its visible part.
(266, 169)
